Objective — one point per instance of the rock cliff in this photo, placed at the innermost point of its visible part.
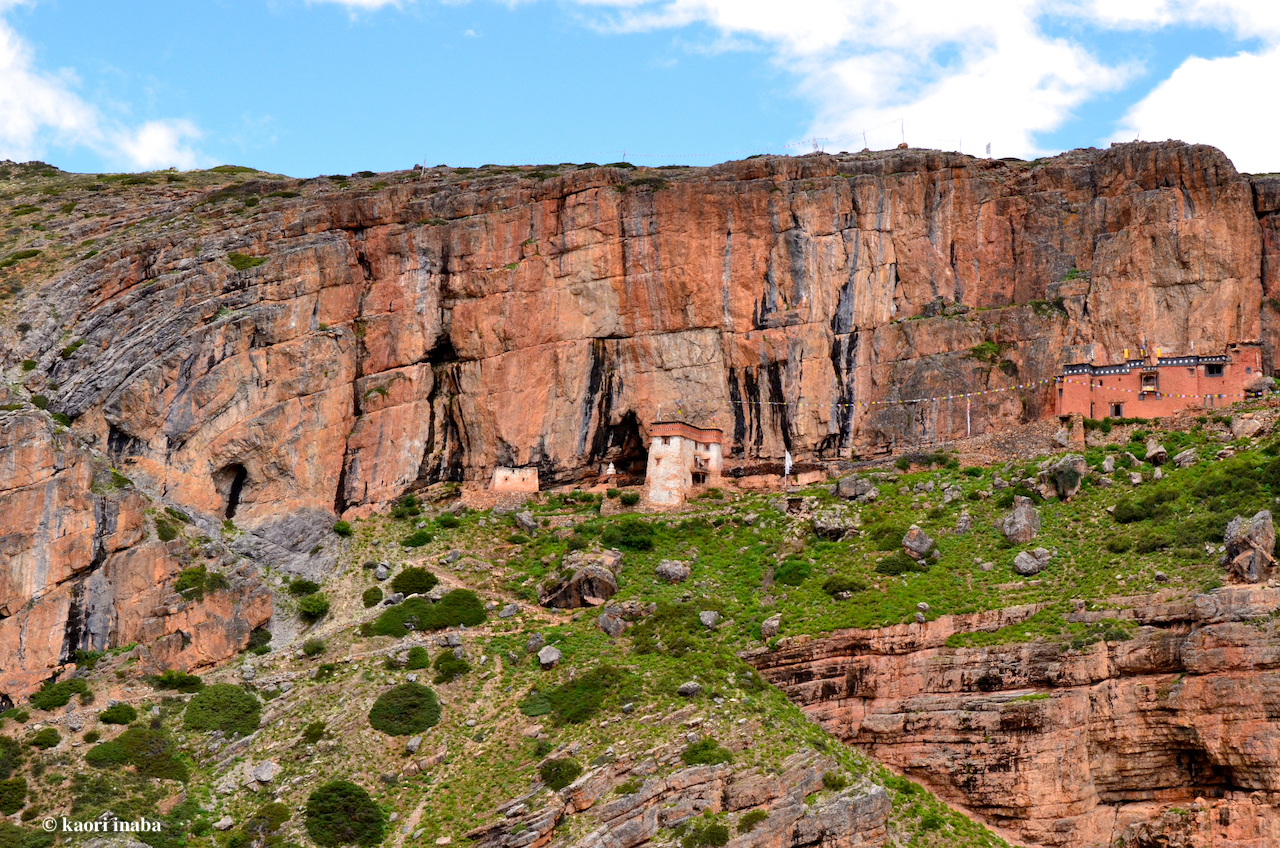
(1169, 735)
(318, 354)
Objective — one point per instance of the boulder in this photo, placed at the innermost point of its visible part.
(266, 771)
(1250, 547)
(1156, 453)
(689, 689)
(853, 486)
(534, 642)
(635, 610)
(549, 657)
(1135, 478)
(964, 523)
(1109, 464)
(917, 543)
(673, 571)
(709, 618)
(610, 622)
(1246, 426)
(952, 493)
(1067, 474)
(1259, 383)
(833, 525)
(770, 626)
(509, 610)
(1062, 437)
(590, 582)
(1185, 458)
(224, 823)
(526, 522)
(382, 572)
(1029, 563)
(411, 747)
(1021, 525)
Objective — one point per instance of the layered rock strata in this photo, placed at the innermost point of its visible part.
(448, 324)
(1173, 734)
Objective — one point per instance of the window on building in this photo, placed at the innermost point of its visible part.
(1149, 383)
(1214, 370)
(1117, 410)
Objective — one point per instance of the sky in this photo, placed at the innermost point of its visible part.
(307, 87)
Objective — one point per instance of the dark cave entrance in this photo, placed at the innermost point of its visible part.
(622, 445)
(229, 482)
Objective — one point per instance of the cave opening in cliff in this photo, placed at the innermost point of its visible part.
(229, 482)
(622, 446)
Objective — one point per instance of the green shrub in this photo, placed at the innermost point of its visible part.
(535, 704)
(71, 348)
(313, 732)
(839, 583)
(612, 493)
(341, 813)
(40, 401)
(313, 647)
(10, 756)
(449, 668)
(92, 736)
(13, 794)
(834, 781)
(301, 588)
(414, 581)
(577, 700)
(898, 563)
(224, 707)
(371, 597)
(181, 681)
(706, 834)
(409, 506)
(448, 521)
(267, 820)
(1119, 544)
(902, 463)
(191, 581)
(53, 695)
(559, 773)
(147, 749)
(417, 539)
(885, 536)
(629, 499)
(418, 658)
(792, 571)
(241, 262)
(461, 606)
(313, 607)
(343, 528)
(404, 710)
(631, 533)
(706, 752)
(119, 714)
(751, 820)
(17, 714)
(259, 641)
(29, 365)
(14, 836)
(45, 738)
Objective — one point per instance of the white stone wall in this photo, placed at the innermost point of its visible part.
(669, 477)
(514, 479)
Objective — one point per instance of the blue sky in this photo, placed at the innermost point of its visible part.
(335, 86)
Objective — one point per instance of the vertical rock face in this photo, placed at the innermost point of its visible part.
(81, 570)
(443, 326)
(1069, 746)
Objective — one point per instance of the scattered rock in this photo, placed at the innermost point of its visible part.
(709, 618)
(224, 823)
(1156, 453)
(267, 771)
(952, 493)
(1066, 475)
(453, 556)
(988, 566)
(1029, 563)
(1021, 525)
(922, 607)
(1135, 478)
(917, 543)
(509, 610)
(1109, 464)
(1161, 577)
(833, 525)
(247, 673)
(1063, 437)
(549, 657)
(526, 522)
(1245, 426)
(964, 523)
(1185, 458)
(1250, 547)
(535, 642)
(611, 622)
(382, 572)
(673, 571)
(393, 599)
(689, 689)
(412, 746)
(920, 618)
(1157, 474)
(590, 582)
(770, 626)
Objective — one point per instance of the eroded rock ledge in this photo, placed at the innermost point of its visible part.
(1173, 734)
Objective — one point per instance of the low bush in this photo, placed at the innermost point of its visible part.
(269, 818)
(448, 521)
(313, 732)
(706, 834)
(343, 528)
(885, 535)
(241, 262)
(834, 781)
(577, 700)
(10, 756)
(559, 773)
(53, 695)
(45, 738)
(449, 667)
(706, 752)
(313, 607)
(630, 533)
(149, 750)
(418, 658)
(92, 736)
(751, 820)
(19, 715)
(224, 707)
(792, 571)
(405, 709)
(898, 563)
(313, 647)
(119, 714)
(838, 584)
(414, 581)
(371, 597)
(301, 588)
(610, 493)
(259, 641)
(535, 704)
(341, 813)
(13, 794)
(409, 506)
(417, 539)
(461, 606)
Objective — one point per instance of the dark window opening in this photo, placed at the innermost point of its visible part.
(699, 479)
(442, 352)
(1213, 370)
(1117, 410)
(229, 482)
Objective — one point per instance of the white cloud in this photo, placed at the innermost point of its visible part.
(1214, 101)
(40, 110)
(359, 5)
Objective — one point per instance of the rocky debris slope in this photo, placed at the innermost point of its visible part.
(83, 568)
(1114, 736)
(274, 358)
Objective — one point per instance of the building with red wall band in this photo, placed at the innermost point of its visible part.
(1151, 386)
